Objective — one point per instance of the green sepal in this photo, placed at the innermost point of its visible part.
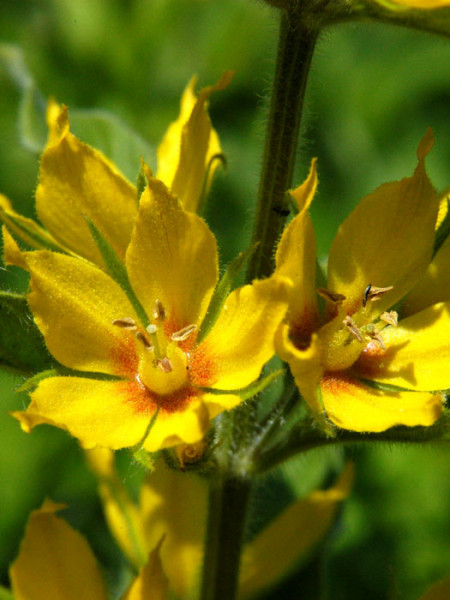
(117, 270)
(443, 231)
(202, 203)
(30, 232)
(388, 387)
(22, 347)
(256, 387)
(141, 182)
(145, 459)
(222, 290)
(60, 371)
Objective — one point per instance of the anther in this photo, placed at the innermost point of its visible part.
(142, 338)
(373, 293)
(159, 312)
(164, 365)
(183, 334)
(330, 296)
(375, 335)
(391, 318)
(353, 328)
(125, 323)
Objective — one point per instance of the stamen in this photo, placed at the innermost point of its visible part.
(375, 335)
(151, 329)
(159, 312)
(183, 334)
(391, 318)
(164, 365)
(142, 338)
(353, 328)
(330, 296)
(373, 293)
(125, 323)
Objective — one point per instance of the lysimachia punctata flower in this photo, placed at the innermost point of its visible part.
(422, 4)
(57, 562)
(363, 338)
(135, 349)
(76, 181)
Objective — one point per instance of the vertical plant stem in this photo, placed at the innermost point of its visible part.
(295, 50)
(226, 522)
(231, 489)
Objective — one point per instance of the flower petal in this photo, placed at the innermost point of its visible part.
(172, 257)
(151, 581)
(417, 352)
(301, 526)
(351, 405)
(187, 148)
(387, 240)
(74, 304)
(56, 560)
(98, 413)
(76, 180)
(434, 285)
(306, 366)
(242, 339)
(296, 259)
(182, 524)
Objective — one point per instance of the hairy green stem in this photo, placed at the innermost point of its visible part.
(295, 50)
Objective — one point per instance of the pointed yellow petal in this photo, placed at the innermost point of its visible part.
(190, 143)
(74, 304)
(28, 230)
(296, 259)
(422, 4)
(55, 560)
(242, 339)
(174, 504)
(438, 591)
(305, 364)
(121, 513)
(352, 405)
(300, 528)
(387, 240)
(172, 258)
(77, 181)
(151, 583)
(98, 413)
(434, 285)
(417, 352)
(5, 203)
(12, 254)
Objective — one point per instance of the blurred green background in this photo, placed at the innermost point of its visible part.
(372, 93)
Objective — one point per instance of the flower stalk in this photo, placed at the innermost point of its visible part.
(295, 49)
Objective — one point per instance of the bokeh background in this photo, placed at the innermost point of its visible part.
(372, 93)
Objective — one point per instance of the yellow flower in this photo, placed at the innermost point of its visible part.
(55, 560)
(135, 348)
(380, 253)
(77, 181)
(422, 4)
(300, 527)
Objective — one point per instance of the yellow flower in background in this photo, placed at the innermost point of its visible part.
(422, 4)
(300, 527)
(380, 253)
(136, 351)
(76, 181)
(56, 562)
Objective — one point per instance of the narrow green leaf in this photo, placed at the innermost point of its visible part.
(387, 387)
(117, 270)
(256, 387)
(222, 290)
(22, 346)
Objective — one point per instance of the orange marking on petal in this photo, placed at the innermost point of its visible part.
(146, 402)
(301, 331)
(202, 367)
(125, 357)
(339, 382)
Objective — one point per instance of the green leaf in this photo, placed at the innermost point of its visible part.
(5, 594)
(106, 132)
(22, 346)
(256, 387)
(222, 290)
